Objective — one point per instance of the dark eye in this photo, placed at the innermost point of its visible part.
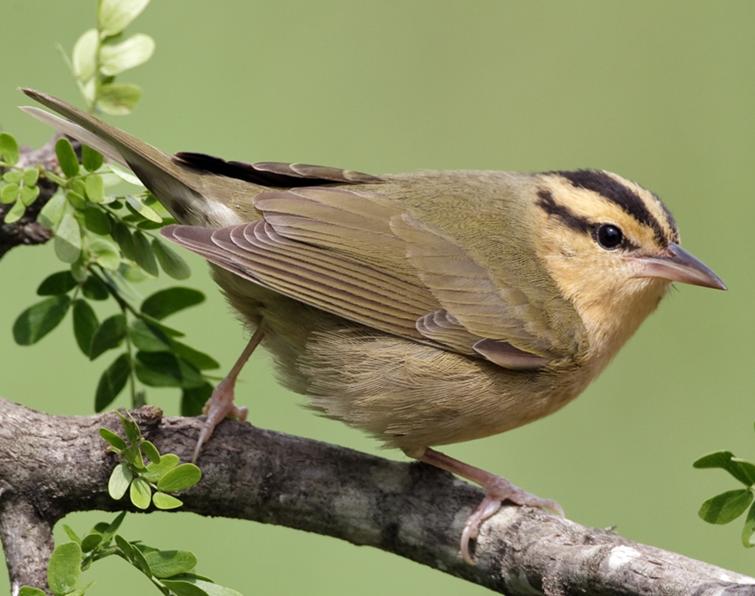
(609, 236)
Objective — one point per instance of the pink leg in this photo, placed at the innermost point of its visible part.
(221, 405)
(497, 490)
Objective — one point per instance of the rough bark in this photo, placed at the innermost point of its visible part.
(52, 465)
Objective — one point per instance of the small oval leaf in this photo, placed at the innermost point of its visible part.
(64, 568)
(69, 163)
(140, 493)
(120, 480)
(85, 325)
(109, 335)
(112, 382)
(180, 478)
(725, 507)
(170, 261)
(166, 502)
(56, 283)
(171, 300)
(39, 319)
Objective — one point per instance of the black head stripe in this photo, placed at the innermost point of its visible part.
(613, 190)
(548, 204)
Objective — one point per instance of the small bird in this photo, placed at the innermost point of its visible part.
(425, 308)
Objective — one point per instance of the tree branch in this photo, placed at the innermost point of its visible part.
(52, 465)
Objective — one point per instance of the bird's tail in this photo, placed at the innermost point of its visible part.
(177, 187)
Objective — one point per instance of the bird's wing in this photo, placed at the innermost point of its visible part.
(351, 254)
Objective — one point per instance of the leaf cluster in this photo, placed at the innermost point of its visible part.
(172, 572)
(728, 506)
(102, 53)
(107, 241)
(147, 475)
(18, 186)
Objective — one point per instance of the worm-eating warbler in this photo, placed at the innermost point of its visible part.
(425, 308)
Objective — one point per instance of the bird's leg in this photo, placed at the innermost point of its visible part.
(497, 490)
(221, 405)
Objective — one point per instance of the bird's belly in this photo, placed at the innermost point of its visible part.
(408, 395)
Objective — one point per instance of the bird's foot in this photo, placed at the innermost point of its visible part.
(219, 407)
(498, 490)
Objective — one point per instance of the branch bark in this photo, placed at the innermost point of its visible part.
(52, 465)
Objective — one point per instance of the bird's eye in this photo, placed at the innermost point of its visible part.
(609, 236)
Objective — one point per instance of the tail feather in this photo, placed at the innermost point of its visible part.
(177, 187)
(77, 132)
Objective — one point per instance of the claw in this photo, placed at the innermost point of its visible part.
(497, 490)
(220, 405)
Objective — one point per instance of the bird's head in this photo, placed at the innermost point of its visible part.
(612, 248)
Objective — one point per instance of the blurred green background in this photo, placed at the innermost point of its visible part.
(662, 92)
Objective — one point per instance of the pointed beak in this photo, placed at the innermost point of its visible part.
(679, 265)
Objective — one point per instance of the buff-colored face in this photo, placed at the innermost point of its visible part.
(610, 244)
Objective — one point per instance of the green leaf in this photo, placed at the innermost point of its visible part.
(56, 283)
(39, 319)
(95, 289)
(725, 460)
(29, 194)
(167, 563)
(85, 325)
(151, 452)
(140, 493)
(91, 541)
(105, 254)
(166, 502)
(29, 591)
(748, 531)
(9, 193)
(113, 438)
(143, 210)
(745, 468)
(15, 213)
(8, 149)
(96, 220)
(148, 338)
(30, 176)
(95, 188)
(155, 471)
(118, 99)
(64, 568)
(130, 427)
(77, 200)
(69, 163)
(91, 159)
(180, 478)
(120, 479)
(52, 212)
(68, 239)
(199, 360)
(84, 57)
(171, 262)
(125, 175)
(13, 177)
(70, 533)
(109, 335)
(117, 58)
(194, 399)
(113, 16)
(112, 382)
(726, 507)
(198, 587)
(171, 300)
(143, 255)
(164, 369)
